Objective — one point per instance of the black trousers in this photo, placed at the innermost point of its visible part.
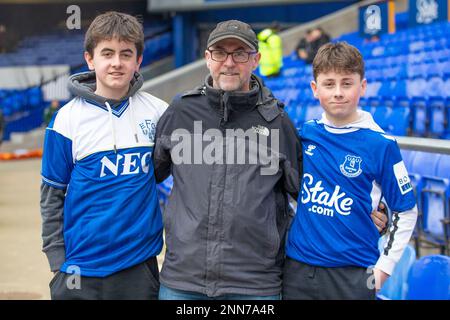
(140, 282)
(305, 282)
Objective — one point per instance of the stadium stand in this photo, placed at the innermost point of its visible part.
(408, 81)
(39, 50)
(429, 174)
(23, 108)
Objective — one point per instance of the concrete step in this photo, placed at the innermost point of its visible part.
(31, 140)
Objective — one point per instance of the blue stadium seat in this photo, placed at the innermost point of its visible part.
(420, 117)
(313, 111)
(435, 86)
(429, 279)
(372, 88)
(408, 158)
(400, 118)
(447, 85)
(416, 87)
(382, 113)
(443, 167)
(438, 124)
(395, 288)
(35, 98)
(432, 194)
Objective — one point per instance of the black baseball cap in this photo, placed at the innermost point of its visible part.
(233, 29)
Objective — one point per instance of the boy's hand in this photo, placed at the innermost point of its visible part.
(379, 218)
(380, 278)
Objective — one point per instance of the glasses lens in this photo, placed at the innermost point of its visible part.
(219, 55)
(240, 56)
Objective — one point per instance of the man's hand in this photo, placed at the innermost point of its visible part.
(379, 218)
(380, 278)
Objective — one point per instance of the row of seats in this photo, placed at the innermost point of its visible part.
(407, 94)
(427, 278)
(419, 38)
(430, 178)
(419, 116)
(12, 101)
(40, 50)
(398, 116)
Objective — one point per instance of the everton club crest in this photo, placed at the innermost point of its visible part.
(148, 128)
(351, 167)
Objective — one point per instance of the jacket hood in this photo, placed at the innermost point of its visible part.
(84, 85)
(364, 121)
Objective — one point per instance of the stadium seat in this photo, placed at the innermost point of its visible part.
(372, 88)
(435, 86)
(382, 112)
(395, 288)
(408, 158)
(432, 194)
(438, 121)
(399, 122)
(447, 118)
(429, 279)
(313, 111)
(415, 87)
(420, 118)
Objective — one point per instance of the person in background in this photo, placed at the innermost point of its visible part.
(308, 46)
(50, 111)
(271, 49)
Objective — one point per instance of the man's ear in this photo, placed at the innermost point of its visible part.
(257, 58)
(89, 60)
(208, 58)
(313, 85)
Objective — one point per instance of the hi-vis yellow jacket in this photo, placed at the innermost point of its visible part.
(271, 49)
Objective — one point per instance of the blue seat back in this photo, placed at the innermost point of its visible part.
(429, 279)
(420, 116)
(436, 106)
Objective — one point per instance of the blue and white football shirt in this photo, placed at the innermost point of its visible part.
(346, 172)
(112, 219)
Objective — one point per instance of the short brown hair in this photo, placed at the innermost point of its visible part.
(338, 57)
(114, 24)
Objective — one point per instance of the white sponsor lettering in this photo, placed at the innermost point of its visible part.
(317, 194)
(132, 164)
(401, 174)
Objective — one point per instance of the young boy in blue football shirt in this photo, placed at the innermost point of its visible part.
(99, 206)
(349, 164)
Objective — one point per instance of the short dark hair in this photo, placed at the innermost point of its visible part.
(114, 24)
(338, 57)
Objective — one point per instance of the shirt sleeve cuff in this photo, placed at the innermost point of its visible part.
(385, 264)
(56, 257)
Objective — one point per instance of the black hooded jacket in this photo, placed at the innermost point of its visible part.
(227, 216)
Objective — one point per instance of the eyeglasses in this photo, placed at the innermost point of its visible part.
(237, 56)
